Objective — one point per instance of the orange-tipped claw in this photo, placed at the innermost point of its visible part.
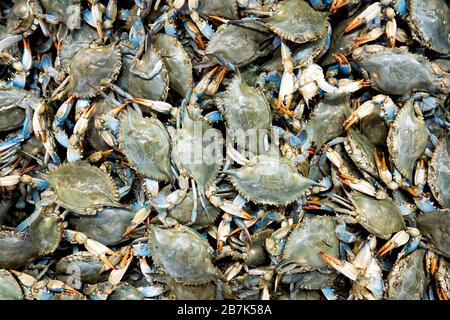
(340, 58)
(337, 4)
(217, 18)
(392, 42)
(354, 24)
(350, 121)
(232, 233)
(388, 246)
(199, 41)
(431, 262)
(347, 179)
(441, 294)
(71, 291)
(128, 231)
(330, 259)
(108, 263)
(124, 261)
(380, 163)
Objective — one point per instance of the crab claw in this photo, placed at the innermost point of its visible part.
(139, 217)
(367, 15)
(431, 261)
(441, 293)
(215, 83)
(337, 4)
(340, 58)
(384, 173)
(362, 111)
(344, 267)
(358, 184)
(399, 239)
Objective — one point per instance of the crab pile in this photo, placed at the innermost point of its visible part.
(224, 149)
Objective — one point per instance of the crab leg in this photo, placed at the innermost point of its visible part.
(287, 82)
(367, 15)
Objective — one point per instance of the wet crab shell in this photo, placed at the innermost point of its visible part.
(82, 188)
(296, 21)
(182, 213)
(125, 291)
(256, 255)
(176, 60)
(199, 159)
(46, 232)
(238, 45)
(73, 42)
(15, 251)
(407, 280)
(302, 55)
(342, 42)
(381, 217)
(311, 280)
(87, 265)
(306, 242)
(360, 149)
(107, 226)
(183, 254)
(435, 226)
(92, 69)
(102, 107)
(327, 118)
(146, 144)
(66, 9)
(439, 172)
(206, 291)
(156, 88)
(396, 71)
(9, 287)
(269, 180)
(228, 9)
(430, 24)
(21, 18)
(244, 107)
(407, 139)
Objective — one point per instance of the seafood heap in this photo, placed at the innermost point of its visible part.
(236, 149)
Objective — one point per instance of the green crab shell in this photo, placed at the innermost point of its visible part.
(327, 118)
(407, 140)
(407, 279)
(439, 173)
(82, 188)
(86, 263)
(92, 69)
(155, 88)
(296, 21)
(361, 150)
(244, 107)
(309, 239)
(182, 212)
(9, 287)
(107, 226)
(15, 251)
(146, 144)
(381, 217)
(430, 23)
(176, 61)
(436, 227)
(268, 180)
(46, 232)
(202, 160)
(238, 45)
(398, 72)
(183, 254)
(228, 9)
